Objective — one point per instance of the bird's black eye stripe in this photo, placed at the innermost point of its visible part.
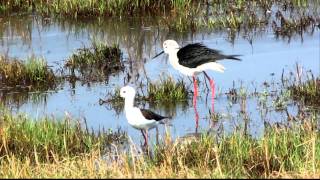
(124, 91)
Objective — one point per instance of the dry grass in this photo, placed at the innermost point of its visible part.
(282, 153)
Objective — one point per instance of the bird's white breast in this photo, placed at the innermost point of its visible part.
(174, 61)
(137, 120)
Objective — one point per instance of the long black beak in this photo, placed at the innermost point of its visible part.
(158, 54)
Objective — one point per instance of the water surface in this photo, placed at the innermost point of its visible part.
(264, 57)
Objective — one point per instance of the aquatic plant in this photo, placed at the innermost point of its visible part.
(287, 26)
(167, 89)
(95, 63)
(32, 73)
(307, 92)
(164, 90)
(301, 85)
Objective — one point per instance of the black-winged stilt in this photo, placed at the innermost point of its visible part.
(193, 59)
(141, 119)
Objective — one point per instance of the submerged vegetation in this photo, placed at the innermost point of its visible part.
(307, 91)
(95, 63)
(31, 74)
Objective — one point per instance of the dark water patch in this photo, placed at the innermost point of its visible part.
(20, 97)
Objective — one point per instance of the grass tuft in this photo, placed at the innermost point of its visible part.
(303, 86)
(32, 73)
(95, 63)
(167, 89)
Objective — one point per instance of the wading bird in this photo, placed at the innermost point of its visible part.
(193, 59)
(141, 119)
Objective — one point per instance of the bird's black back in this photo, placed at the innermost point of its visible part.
(151, 115)
(193, 55)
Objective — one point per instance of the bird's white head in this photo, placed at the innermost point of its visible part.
(127, 92)
(170, 46)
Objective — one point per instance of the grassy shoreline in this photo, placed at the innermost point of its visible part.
(75, 8)
(49, 138)
(189, 15)
(281, 152)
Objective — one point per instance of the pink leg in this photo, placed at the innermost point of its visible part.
(195, 93)
(213, 93)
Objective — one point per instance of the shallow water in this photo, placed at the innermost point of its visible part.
(140, 39)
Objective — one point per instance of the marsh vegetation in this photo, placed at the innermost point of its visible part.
(269, 130)
(33, 73)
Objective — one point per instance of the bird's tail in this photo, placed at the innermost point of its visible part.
(234, 57)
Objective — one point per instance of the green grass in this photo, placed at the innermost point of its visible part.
(237, 18)
(302, 86)
(76, 8)
(96, 62)
(247, 17)
(281, 152)
(165, 93)
(167, 89)
(308, 91)
(48, 138)
(32, 73)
